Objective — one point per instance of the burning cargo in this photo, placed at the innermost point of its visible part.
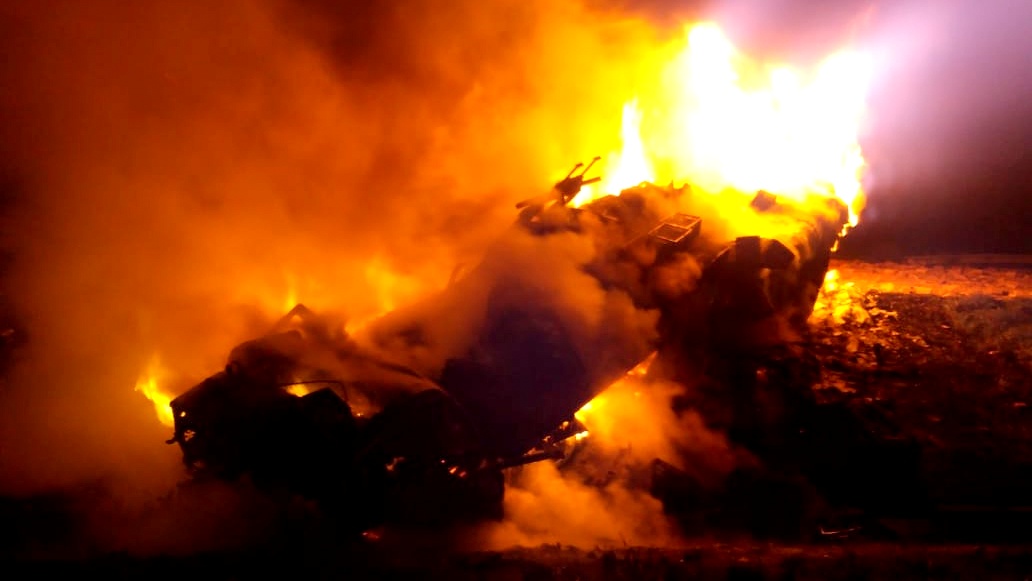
(419, 413)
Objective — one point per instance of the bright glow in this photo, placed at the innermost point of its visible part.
(389, 288)
(149, 384)
(736, 124)
(291, 300)
(631, 166)
(597, 415)
(718, 120)
(831, 279)
(707, 116)
(299, 390)
(837, 301)
(588, 409)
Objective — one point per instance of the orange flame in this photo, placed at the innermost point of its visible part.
(631, 166)
(837, 301)
(149, 384)
(599, 416)
(388, 289)
(291, 300)
(710, 117)
(718, 121)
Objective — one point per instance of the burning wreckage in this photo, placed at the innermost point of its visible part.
(420, 417)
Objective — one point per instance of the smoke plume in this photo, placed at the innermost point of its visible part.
(173, 173)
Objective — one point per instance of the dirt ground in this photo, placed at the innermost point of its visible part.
(945, 352)
(936, 351)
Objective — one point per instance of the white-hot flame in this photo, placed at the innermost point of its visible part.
(717, 120)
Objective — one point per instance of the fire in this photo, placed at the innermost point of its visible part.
(292, 298)
(631, 166)
(388, 285)
(149, 384)
(831, 280)
(719, 121)
(299, 390)
(601, 415)
(710, 117)
(388, 289)
(837, 301)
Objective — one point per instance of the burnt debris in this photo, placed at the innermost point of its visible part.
(378, 431)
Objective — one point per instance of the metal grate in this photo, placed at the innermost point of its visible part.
(676, 229)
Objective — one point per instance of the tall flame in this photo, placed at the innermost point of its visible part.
(718, 120)
(631, 165)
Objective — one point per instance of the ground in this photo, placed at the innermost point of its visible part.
(945, 353)
(935, 351)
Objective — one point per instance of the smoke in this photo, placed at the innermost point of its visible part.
(175, 174)
(174, 170)
(600, 495)
(948, 119)
(951, 125)
(951, 77)
(547, 506)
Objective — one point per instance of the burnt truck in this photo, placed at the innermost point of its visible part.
(417, 418)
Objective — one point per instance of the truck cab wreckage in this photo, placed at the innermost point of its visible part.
(416, 421)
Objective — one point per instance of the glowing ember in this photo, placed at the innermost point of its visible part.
(149, 386)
